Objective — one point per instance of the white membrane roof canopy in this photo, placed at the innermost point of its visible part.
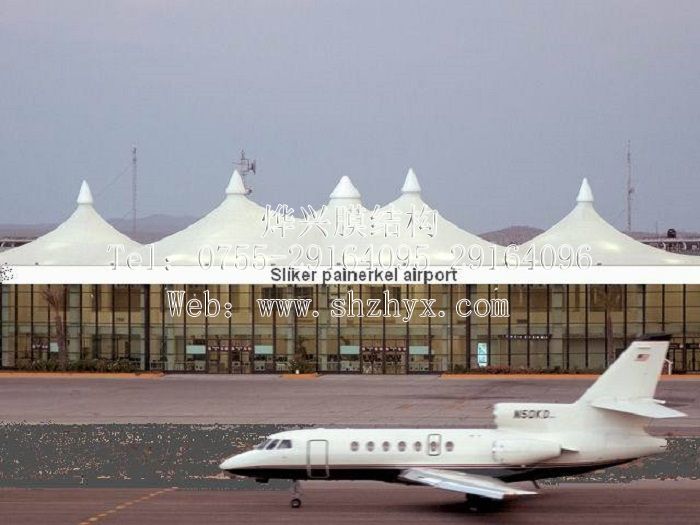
(584, 230)
(444, 242)
(405, 232)
(81, 240)
(237, 223)
(337, 232)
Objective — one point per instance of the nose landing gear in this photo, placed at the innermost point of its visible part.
(295, 503)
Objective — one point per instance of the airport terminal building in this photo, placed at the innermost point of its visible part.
(572, 327)
(550, 327)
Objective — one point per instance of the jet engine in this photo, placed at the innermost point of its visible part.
(524, 451)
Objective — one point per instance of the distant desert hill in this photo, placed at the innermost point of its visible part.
(512, 235)
(148, 229)
(154, 227)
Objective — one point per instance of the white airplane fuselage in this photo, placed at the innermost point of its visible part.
(604, 427)
(383, 453)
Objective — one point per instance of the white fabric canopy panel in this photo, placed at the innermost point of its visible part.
(405, 232)
(335, 233)
(446, 244)
(583, 228)
(238, 232)
(82, 240)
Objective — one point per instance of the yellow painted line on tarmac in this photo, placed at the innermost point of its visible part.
(507, 376)
(545, 376)
(105, 514)
(300, 376)
(82, 375)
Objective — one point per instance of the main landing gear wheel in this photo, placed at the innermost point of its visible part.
(296, 495)
(481, 504)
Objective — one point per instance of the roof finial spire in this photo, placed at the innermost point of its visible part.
(235, 185)
(585, 194)
(85, 195)
(411, 184)
(345, 189)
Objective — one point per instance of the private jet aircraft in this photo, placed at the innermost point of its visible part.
(531, 441)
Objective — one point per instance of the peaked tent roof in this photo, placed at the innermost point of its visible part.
(81, 240)
(236, 221)
(608, 246)
(447, 243)
(341, 224)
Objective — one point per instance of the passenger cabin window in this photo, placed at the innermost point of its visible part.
(285, 443)
(386, 446)
(272, 444)
(449, 446)
(417, 446)
(402, 446)
(370, 446)
(354, 446)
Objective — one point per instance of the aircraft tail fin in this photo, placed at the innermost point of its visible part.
(628, 385)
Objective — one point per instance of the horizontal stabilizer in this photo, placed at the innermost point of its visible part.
(461, 482)
(639, 407)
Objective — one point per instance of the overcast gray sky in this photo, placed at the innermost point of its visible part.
(500, 107)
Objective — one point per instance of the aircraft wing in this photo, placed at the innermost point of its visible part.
(461, 482)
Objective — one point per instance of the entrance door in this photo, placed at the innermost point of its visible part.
(218, 356)
(692, 357)
(372, 360)
(241, 357)
(685, 357)
(317, 458)
(434, 444)
(395, 357)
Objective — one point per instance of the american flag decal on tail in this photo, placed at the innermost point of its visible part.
(642, 357)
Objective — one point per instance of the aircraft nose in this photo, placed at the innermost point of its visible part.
(236, 462)
(230, 463)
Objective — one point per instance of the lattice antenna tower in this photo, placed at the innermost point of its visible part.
(246, 167)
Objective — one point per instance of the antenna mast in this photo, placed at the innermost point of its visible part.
(245, 167)
(134, 167)
(630, 188)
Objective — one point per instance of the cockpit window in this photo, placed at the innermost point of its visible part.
(271, 444)
(262, 445)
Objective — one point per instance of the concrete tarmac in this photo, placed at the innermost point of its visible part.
(649, 502)
(332, 400)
